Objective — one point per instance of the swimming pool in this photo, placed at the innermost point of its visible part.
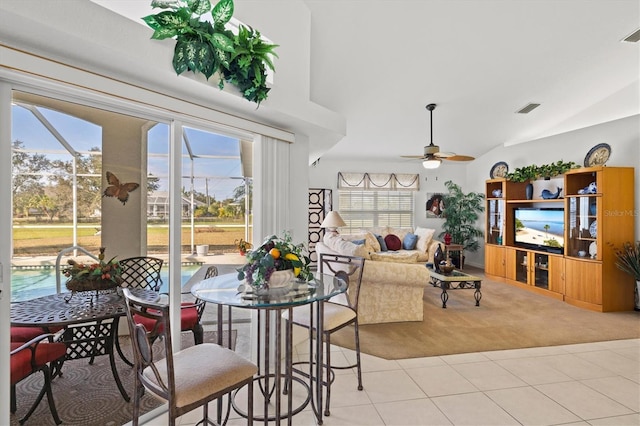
(29, 283)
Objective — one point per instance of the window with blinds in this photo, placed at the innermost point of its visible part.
(364, 209)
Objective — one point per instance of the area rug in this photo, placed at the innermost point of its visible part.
(508, 318)
(87, 394)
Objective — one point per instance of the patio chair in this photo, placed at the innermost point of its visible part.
(31, 357)
(212, 271)
(186, 379)
(144, 272)
(337, 313)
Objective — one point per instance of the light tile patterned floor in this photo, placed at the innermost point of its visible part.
(585, 384)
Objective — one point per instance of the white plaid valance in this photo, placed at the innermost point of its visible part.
(388, 181)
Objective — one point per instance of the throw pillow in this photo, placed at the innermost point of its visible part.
(400, 232)
(410, 241)
(358, 242)
(424, 238)
(371, 242)
(393, 242)
(383, 245)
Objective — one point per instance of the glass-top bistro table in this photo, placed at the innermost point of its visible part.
(90, 322)
(227, 290)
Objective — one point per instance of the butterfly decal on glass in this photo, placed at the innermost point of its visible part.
(119, 190)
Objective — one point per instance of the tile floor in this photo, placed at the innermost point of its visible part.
(585, 384)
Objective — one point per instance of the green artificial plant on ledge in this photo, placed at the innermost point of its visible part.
(533, 172)
(209, 48)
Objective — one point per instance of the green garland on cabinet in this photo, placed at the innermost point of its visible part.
(533, 172)
(209, 48)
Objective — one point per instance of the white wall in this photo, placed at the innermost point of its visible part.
(623, 135)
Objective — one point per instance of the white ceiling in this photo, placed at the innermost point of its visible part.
(380, 62)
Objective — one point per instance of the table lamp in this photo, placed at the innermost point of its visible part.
(332, 222)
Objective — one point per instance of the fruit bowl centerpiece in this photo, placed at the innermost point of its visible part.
(275, 263)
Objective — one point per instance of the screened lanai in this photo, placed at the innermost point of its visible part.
(58, 178)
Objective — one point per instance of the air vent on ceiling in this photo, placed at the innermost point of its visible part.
(527, 108)
(634, 37)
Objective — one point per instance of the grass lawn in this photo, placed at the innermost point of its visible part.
(49, 240)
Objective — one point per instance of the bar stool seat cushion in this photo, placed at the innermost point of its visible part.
(195, 379)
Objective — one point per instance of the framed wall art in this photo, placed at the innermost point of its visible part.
(435, 205)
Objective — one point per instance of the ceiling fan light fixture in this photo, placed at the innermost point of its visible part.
(431, 163)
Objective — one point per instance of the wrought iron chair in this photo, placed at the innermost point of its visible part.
(186, 379)
(144, 272)
(212, 271)
(30, 357)
(337, 313)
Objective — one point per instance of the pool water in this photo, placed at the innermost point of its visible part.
(31, 283)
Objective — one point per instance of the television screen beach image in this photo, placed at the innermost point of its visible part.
(539, 227)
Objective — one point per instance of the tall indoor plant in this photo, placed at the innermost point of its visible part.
(628, 260)
(461, 212)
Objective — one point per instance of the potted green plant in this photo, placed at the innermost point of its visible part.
(243, 246)
(628, 260)
(206, 47)
(461, 212)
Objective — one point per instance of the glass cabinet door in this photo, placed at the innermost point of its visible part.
(583, 227)
(495, 221)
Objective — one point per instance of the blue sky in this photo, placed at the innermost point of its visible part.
(83, 135)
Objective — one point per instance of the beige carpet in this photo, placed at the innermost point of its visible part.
(507, 318)
(87, 394)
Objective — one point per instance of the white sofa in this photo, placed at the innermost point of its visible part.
(393, 282)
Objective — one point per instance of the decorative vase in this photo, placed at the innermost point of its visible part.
(281, 278)
(637, 308)
(438, 257)
(593, 209)
(447, 239)
(528, 191)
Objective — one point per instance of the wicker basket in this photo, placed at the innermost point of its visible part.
(91, 285)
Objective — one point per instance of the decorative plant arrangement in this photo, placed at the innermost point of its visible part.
(461, 213)
(243, 246)
(275, 254)
(533, 172)
(206, 47)
(94, 276)
(628, 260)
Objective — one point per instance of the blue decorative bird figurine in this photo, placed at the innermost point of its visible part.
(548, 195)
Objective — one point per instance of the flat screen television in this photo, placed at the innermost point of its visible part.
(539, 228)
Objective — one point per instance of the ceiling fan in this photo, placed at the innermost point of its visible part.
(432, 156)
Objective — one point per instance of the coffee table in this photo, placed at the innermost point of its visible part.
(455, 280)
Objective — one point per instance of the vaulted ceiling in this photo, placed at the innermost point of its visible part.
(379, 63)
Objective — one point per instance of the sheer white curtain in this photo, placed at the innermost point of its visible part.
(271, 187)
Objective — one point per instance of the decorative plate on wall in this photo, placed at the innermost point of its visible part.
(598, 155)
(499, 170)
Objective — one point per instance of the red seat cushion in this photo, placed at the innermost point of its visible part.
(24, 334)
(45, 353)
(188, 319)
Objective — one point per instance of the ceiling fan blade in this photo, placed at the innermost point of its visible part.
(417, 157)
(444, 154)
(459, 158)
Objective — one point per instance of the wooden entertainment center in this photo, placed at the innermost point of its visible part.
(577, 263)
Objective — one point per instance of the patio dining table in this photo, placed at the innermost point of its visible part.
(90, 322)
